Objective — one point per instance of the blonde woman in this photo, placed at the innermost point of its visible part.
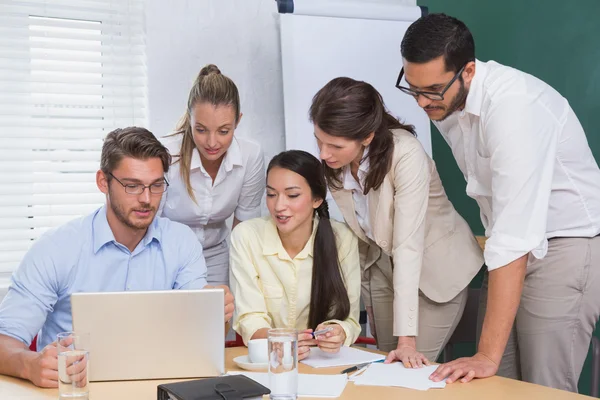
(215, 174)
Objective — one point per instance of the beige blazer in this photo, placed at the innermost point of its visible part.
(412, 221)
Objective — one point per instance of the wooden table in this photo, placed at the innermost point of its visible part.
(489, 389)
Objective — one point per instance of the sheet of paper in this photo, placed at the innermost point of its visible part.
(309, 385)
(396, 375)
(346, 356)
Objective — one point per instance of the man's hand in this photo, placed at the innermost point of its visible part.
(467, 368)
(332, 341)
(229, 300)
(42, 368)
(504, 295)
(75, 372)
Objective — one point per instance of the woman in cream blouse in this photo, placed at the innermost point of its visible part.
(418, 255)
(215, 174)
(296, 268)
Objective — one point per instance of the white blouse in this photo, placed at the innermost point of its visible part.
(238, 189)
(361, 204)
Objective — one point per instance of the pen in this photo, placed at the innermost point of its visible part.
(322, 331)
(355, 375)
(359, 366)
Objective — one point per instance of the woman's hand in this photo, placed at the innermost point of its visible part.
(331, 341)
(305, 342)
(407, 353)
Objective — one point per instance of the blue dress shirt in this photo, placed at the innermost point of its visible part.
(83, 256)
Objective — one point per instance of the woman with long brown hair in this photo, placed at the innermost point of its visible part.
(215, 174)
(296, 268)
(419, 254)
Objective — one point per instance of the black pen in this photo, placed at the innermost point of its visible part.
(359, 366)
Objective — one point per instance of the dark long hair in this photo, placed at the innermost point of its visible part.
(353, 109)
(328, 293)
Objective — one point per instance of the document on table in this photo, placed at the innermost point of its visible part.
(346, 356)
(396, 374)
(309, 385)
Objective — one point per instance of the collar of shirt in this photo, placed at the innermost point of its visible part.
(475, 96)
(272, 242)
(103, 234)
(363, 169)
(233, 157)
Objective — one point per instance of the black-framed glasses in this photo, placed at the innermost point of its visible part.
(429, 95)
(138, 188)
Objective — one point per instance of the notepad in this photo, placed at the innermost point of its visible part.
(346, 356)
(396, 374)
(309, 385)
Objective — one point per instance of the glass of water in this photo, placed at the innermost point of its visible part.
(73, 365)
(283, 363)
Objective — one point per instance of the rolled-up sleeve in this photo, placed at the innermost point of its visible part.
(411, 195)
(253, 187)
(350, 265)
(32, 294)
(521, 136)
(250, 308)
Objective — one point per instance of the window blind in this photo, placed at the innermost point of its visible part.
(70, 72)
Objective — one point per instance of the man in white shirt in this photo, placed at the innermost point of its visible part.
(528, 165)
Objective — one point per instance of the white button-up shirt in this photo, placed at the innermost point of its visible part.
(361, 204)
(526, 161)
(238, 189)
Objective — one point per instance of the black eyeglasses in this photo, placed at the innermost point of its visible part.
(429, 95)
(138, 188)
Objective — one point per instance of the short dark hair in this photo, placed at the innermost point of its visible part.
(436, 35)
(132, 142)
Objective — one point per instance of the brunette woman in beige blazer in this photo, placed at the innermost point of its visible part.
(417, 253)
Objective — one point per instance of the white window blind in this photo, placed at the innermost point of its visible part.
(70, 72)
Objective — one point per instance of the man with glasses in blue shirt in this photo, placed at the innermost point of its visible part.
(528, 165)
(121, 246)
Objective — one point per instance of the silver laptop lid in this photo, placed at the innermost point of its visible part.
(152, 334)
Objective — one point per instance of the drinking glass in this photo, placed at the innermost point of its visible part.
(283, 363)
(73, 365)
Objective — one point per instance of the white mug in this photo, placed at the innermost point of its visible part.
(258, 351)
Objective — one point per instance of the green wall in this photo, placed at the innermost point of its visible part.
(556, 40)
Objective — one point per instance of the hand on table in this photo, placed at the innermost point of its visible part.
(406, 352)
(409, 356)
(467, 368)
(42, 368)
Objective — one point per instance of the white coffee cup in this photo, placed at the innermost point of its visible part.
(258, 351)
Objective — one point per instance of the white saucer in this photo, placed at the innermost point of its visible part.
(244, 363)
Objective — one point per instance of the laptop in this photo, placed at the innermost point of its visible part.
(152, 334)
